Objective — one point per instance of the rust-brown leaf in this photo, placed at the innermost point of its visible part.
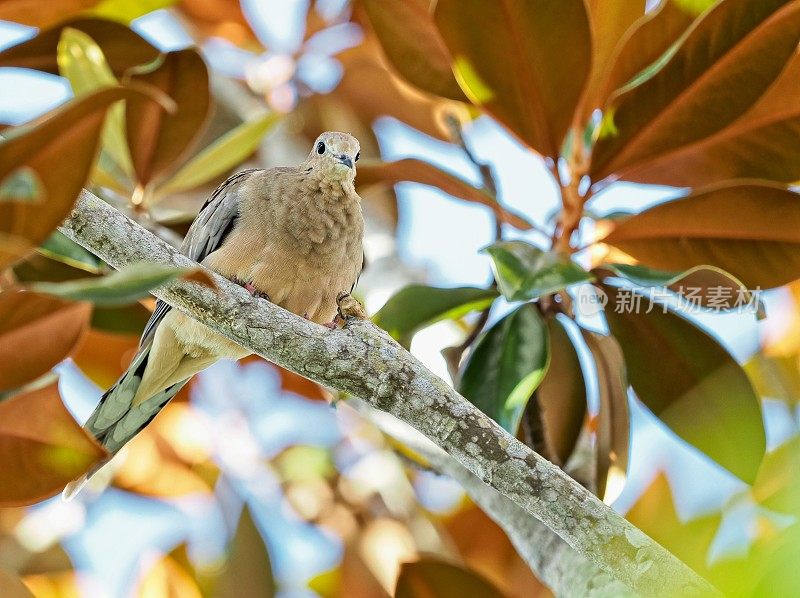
(41, 447)
(750, 229)
(72, 130)
(613, 427)
(433, 578)
(763, 143)
(413, 45)
(37, 332)
(562, 394)
(103, 356)
(122, 47)
(721, 68)
(610, 20)
(644, 43)
(524, 61)
(158, 139)
(417, 171)
(37, 13)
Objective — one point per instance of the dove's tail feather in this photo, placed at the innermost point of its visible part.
(118, 418)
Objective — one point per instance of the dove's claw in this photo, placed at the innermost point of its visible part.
(331, 325)
(349, 307)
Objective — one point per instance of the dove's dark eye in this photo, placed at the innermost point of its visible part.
(358, 155)
(320, 148)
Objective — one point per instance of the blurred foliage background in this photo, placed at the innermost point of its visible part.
(579, 212)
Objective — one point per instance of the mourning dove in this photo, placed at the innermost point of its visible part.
(292, 235)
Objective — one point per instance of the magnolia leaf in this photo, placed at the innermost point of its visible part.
(562, 394)
(506, 366)
(36, 333)
(122, 47)
(225, 153)
(126, 11)
(158, 139)
(525, 272)
(610, 20)
(704, 286)
(414, 46)
(690, 382)
(41, 447)
(645, 42)
(613, 426)
(655, 513)
(123, 319)
(119, 288)
(42, 14)
(22, 185)
(103, 356)
(63, 249)
(763, 143)
(417, 306)
(82, 62)
(430, 577)
(775, 377)
(71, 130)
(524, 61)
(698, 90)
(424, 173)
(777, 485)
(750, 229)
(248, 571)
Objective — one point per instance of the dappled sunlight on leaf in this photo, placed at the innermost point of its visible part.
(41, 447)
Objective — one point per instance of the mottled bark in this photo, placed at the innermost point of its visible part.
(365, 362)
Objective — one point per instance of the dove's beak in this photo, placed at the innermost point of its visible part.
(346, 160)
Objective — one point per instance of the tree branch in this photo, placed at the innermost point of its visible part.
(364, 361)
(556, 565)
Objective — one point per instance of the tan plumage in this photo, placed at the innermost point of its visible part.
(292, 235)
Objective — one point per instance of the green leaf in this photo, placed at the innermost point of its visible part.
(126, 286)
(690, 382)
(748, 228)
(124, 319)
(128, 10)
(67, 251)
(82, 61)
(775, 377)
(222, 155)
(526, 272)
(506, 366)
(417, 306)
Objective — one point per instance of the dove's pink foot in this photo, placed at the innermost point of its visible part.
(331, 325)
(248, 286)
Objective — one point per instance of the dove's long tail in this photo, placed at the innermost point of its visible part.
(121, 415)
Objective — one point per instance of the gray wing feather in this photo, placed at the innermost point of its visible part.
(208, 232)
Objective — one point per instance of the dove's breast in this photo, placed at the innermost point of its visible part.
(300, 251)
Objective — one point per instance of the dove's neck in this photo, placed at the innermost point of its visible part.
(331, 187)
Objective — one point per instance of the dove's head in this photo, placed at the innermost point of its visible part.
(335, 155)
